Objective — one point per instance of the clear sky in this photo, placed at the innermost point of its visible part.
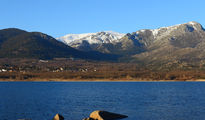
(60, 17)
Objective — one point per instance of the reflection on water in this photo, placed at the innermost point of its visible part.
(75, 100)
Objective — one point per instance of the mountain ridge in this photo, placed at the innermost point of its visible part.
(180, 46)
(17, 43)
(85, 44)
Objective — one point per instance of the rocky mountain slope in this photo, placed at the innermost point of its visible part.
(177, 46)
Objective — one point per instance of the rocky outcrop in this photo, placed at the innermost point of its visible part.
(104, 115)
(58, 117)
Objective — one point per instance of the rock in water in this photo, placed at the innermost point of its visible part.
(104, 115)
(58, 117)
(88, 119)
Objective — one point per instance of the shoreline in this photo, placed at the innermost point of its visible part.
(99, 80)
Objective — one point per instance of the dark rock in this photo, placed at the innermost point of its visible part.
(58, 117)
(88, 119)
(104, 115)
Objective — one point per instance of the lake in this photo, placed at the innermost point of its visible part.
(76, 100)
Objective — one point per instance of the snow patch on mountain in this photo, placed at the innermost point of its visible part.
(92, 38)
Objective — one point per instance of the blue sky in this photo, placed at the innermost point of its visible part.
(60, 17)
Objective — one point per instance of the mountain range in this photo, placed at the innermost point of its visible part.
(181, 45)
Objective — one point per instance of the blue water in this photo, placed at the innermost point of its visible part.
(75, 100)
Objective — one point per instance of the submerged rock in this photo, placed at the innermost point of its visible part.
(58, 117)
(24, 119)
(104, 115)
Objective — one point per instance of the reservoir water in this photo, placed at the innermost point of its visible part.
(76, 100)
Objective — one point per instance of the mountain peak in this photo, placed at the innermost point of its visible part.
(193, 22)
(190, 26)
(196, 25)
(91, 38)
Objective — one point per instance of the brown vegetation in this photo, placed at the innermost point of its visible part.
(66, 69)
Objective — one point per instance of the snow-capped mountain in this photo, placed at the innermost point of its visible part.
(181, 35)
(86, 39)
(163, 31)
(173, 44)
